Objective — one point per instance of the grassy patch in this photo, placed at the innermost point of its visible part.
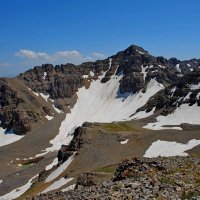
(33, 190)
(120, 126)
(25, 166)
(108, 169)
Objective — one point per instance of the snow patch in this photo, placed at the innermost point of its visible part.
(144, 72)
(44, 96)
(178, 68)
(140, 51)
(125, 141)
(49, 117)
(60, 169)
(55, 162)
(34, 92)
(183, 114)
(187, 96)
(161, 66)
(195, 87)
(198, 95)
(165, 148)
(56, 109)
(71, 187)
(45, 75)
(57, 184)
(18, 191)
(8, 137)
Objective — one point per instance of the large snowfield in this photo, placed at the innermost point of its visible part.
(101, 102)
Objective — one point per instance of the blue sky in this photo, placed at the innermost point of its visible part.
(33, 32)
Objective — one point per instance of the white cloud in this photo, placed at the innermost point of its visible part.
(32, 55)
(56, 58)
(98, 55)
(59, 57)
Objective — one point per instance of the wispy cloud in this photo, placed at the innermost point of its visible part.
(98, 55)
(59, 57)
(32, 54)
(69, 56)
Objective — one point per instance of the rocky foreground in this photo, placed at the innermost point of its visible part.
(159, 178)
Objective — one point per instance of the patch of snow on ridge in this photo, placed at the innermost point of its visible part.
(45, 75)
(1, 181)
(18, 191)
(44, 96)
(144, 72)
(60, 169)
(57, 184)
(49, 117)
(162, 66)
(178, 68)
(166, 148)
(143, 114)
(195, 87)
(71, 187)
(34, 92)
(125, 141)
(183, 114)
(55, 162)
(8, 137)
(140, 51)
(56, 109)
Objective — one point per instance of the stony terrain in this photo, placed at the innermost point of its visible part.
(160, 178)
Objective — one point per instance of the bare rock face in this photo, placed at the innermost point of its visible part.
(18, 113)
(67, 150)
(175, 95)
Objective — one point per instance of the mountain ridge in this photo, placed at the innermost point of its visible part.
(60, 83)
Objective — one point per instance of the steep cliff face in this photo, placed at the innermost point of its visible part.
(19, 110)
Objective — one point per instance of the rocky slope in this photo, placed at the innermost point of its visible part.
(161, 178)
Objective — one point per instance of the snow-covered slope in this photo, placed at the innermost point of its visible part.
(101, 102)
